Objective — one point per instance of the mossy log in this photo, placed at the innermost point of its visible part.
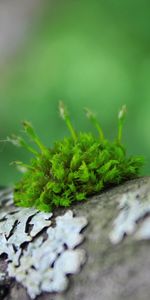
(111, 272)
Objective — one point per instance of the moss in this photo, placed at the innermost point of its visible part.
(75, 168)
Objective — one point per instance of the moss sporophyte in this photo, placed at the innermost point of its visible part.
(74, 168)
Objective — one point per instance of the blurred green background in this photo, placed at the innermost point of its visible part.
(92, 54)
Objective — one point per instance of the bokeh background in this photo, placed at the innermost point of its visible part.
(92, 54)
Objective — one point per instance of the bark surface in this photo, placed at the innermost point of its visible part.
(111, 272)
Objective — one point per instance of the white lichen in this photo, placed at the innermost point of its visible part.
(45, 262)
(143, 233)
(132, 209)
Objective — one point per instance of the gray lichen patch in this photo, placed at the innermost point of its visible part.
(43, 265)
(6, 197)
(133, 217)
(2, 276)
(13, 225)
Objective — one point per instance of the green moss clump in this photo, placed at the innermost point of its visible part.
(75, 168)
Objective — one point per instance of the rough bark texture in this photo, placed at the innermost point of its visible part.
(111, 272)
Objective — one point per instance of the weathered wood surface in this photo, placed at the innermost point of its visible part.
(111, 272)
